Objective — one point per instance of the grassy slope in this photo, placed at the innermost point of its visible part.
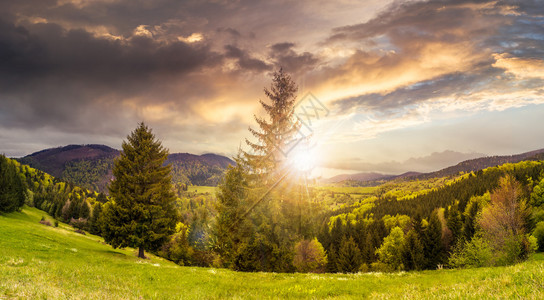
(37, 261)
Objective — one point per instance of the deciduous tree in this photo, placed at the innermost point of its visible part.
(391, 251)
(310, 256)
(504, 220)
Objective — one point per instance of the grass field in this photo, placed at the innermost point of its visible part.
(202, 189)
(349, 189)
(37, 261)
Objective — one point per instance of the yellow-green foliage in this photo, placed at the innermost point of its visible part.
(397, 220)
(406, 190)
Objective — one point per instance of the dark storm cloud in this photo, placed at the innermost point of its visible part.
(97, 67)
(286, 57)
(245, 61)
(76, 54)
(49, 74)
(427, 20)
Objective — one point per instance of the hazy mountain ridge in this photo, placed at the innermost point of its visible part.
(91, 165)
(471, 165)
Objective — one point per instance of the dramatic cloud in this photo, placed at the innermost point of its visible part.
(284, 56)
(86, 71)
(434, 57)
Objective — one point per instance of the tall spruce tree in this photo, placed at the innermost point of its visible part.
(141, 212)
(412, 252)
(231, 230)
(432, 242)
(275, 135)
(349, 256)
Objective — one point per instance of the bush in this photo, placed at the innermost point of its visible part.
(310, 256)
(516, 249)
(45, 222)
(473, 254)
(177, 249)
(538, 233)
(79, 223)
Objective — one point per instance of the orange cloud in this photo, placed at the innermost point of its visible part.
(520, 67)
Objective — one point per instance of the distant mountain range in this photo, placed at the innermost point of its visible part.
(471, 165)
(90, 166)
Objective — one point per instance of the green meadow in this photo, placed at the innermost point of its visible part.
(39, 261)
(202, 189)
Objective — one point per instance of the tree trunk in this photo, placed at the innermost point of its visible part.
(141, 252)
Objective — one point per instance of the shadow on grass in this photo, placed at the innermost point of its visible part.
(113, 252)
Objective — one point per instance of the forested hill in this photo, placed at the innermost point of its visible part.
(90, 166)
(54, 161)
(481, 163)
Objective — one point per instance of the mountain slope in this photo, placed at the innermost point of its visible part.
(54, 160)
(91, 166)
(473, 165)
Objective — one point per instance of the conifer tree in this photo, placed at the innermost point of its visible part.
(432, 242)
(469, 226)
(141, 211)
(349, 256)
(12, 187)
(95, 217)
(454, 222)
(412, 254)
(231, 230)
(275, 135)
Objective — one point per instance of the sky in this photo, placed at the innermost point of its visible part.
(401, 85)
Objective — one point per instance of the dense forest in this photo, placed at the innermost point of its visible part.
(344, 231)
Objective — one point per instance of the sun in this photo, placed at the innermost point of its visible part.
(304, 159)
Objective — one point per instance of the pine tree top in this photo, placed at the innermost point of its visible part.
(278, 129)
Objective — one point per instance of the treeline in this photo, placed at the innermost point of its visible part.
(21, 184)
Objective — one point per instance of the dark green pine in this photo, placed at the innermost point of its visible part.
(142, 212)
